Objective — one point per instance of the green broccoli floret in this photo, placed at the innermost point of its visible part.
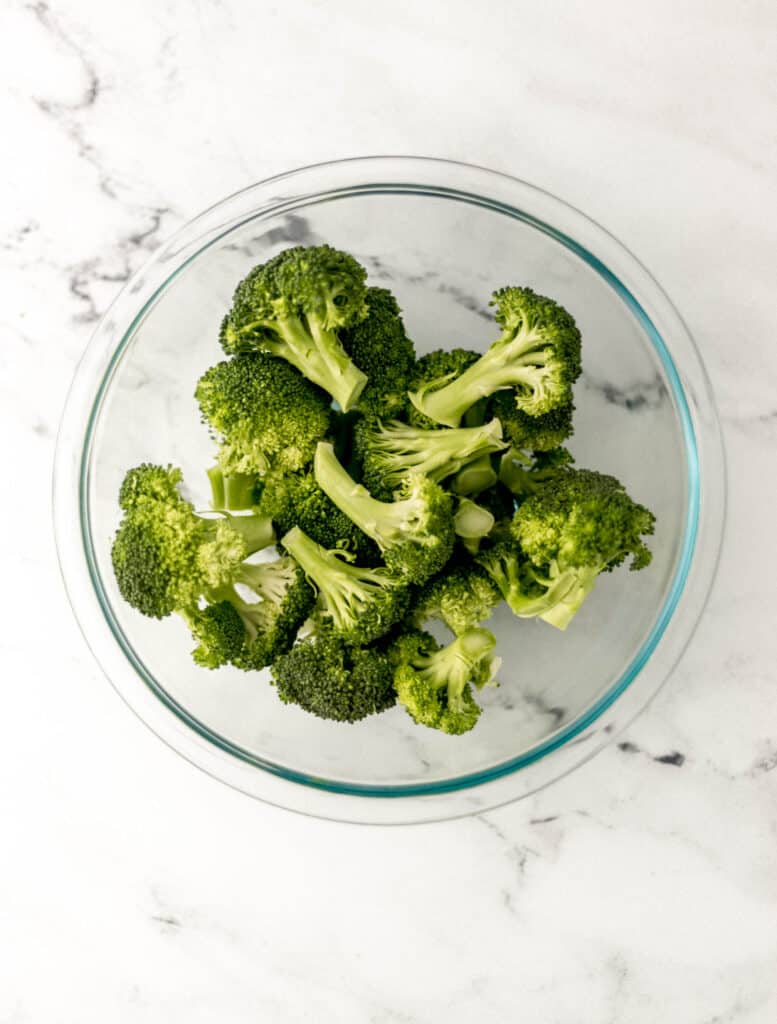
(382, 350)
(390, 452)
(234, 493)
(479, 474)
(461, 596)
(523, 474)
(471, 523)
(532, 433)
(362, 604)
(433, 682)
(295, 499)
(414, 533)
(294, 307)
(264, 414)
(165, 556)
(537, 355)
(219, 631)
(440, 365)
(326, 677)
(578, 525)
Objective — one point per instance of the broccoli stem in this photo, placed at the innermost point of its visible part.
(257, 531)
(471, 521)
(377, 519)
(564, 610)
(319, 356)
(451, 666)
(216, 478)
(475, 477)
(233, 493)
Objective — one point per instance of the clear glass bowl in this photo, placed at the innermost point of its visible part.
(442, 236)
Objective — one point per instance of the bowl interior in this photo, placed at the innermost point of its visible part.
(442, 254)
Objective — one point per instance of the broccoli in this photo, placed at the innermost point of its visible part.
(523, 474)
(389, 453)
(433, 682)
(414, 533)
(432, 368)
(532, 433)
(471, 523)
(578, 525)
(219, 632)
(380, 347)
(295, 499)
(461, 596)
(166, 557)
(362, 604)
(537, 355)
(326, 677)
(264, 413)
(479, 474)
(294, 307)
(233, 493)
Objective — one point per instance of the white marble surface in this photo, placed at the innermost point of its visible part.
(132, 887)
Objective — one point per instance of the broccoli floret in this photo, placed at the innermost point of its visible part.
(532, 433)
(433, 682)
(235, 492)
(414, 533)
(461, 596)
(471, 523)
(523, 474)
(219, 632)
(326, 677)
(382, 350)
(440, 365)
(389, 453)
(264, 413)
(294, 307)
(362, 604)
(295, 499)
(537, 356)
(578, 525)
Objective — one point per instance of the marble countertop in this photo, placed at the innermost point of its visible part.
(644, 886)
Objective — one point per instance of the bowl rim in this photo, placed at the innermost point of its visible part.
(568, 733)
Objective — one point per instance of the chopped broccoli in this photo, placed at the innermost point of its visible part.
(264, 413)
(219, 632)
(439, 365)
(532, 433)
(471, 523)
(326, 677)
(389, 453)
(286, 599)
(433, 682)
(235, 492)
(414, 533)
(295, 499)
(537, 355)
(382, 350)
(294, 307)
(461, 596)
(479, 474)
(523, 474)
(362, 604)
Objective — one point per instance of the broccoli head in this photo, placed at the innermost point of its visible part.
(537, 356)
(435, 683)
(414, 533)
(264, 413)
(294, 307)
(361, 604)
(462, 596)
(327, 678)
(381, 349)
(532, 433)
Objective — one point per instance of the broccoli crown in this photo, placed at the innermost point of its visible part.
(361, 604)
(462, 596)
(583, 518)
(434, 683)
(295, 499)
(326, 677)
(537, 356)
(434, 370)
(381, 349)
(532, 433)
(389, 453)
(265, 413)
(293, 307)
(166, 557)
(414, 533)
(219, 632)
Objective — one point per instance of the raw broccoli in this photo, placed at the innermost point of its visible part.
(439, 365)
(461, 596)
(414, 533)
(295, 499)
(433, 682)
(232, 493)
(578, 525)
(380, 347)
(389, 453)
(166, 557)
(537, 355)
(326, 677)
(264, 413)
(362, 604)
(294, 307)
(471, 523)
(479, 474)
(532, 433)
(523, 474)
(219, 631)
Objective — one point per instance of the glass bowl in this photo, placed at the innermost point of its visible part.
(442, 236)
